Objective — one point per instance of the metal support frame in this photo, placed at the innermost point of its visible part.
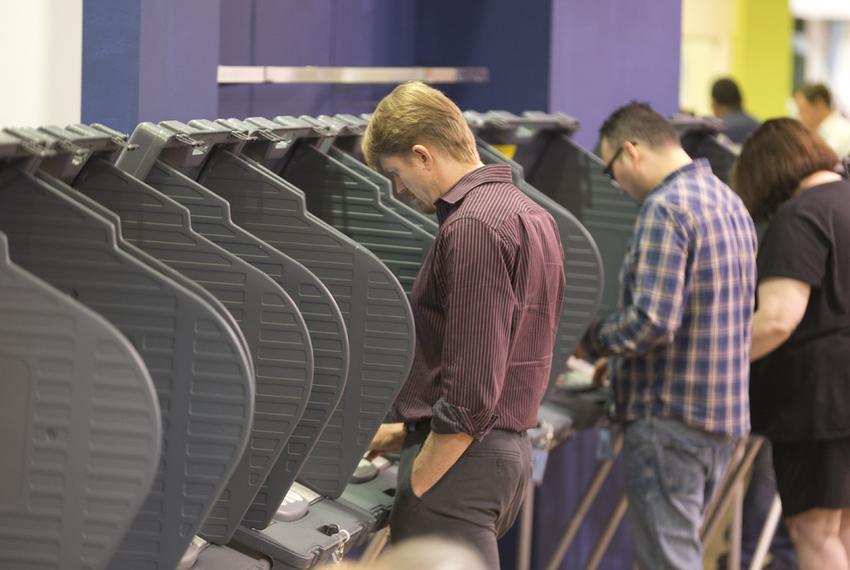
(767, 533)
(731, 495)
(578, 516)
(604, 540)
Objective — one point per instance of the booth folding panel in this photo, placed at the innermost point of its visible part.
(81, 428)
(275, 332)
(203, 376)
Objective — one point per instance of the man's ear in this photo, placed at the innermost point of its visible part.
(631, 151)
(422, 155)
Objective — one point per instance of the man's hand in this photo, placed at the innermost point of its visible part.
(438, 454)
(581, 352)
(600, 372)
(389, 439)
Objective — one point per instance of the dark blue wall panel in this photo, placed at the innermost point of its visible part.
(606, 53)
(149, 60)
(510, 38)
(180, 53)
(321, 32)
(110, 80)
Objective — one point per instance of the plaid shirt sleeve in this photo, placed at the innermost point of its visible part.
(653, 306)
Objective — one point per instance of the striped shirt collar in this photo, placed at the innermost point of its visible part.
(449, 201)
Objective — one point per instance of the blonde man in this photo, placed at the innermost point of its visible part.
(486, 304)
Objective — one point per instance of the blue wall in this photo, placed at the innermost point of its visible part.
(111, 50)
(149, 60)
(325, 32)
(606, 53)
(510, 38)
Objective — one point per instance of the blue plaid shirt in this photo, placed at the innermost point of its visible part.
(680, 341)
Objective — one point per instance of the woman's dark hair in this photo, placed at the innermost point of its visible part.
(774, 160)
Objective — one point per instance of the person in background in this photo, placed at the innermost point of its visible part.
(486, 304)
(426, 553)
(800, 387)
(815, 108)
(679, 345)
(727, 104)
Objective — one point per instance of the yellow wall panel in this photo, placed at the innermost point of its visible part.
(762, 59)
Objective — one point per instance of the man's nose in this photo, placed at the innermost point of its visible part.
(399, 186)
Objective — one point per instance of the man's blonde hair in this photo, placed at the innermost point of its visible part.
(415, 113)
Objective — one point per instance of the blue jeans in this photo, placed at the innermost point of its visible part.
(672, 471)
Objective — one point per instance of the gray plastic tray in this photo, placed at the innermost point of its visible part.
(309, 541)
(202, 375)
(81, 428)
(273, 327)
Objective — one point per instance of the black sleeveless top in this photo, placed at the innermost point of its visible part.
(801, 391)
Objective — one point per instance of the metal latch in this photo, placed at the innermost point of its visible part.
(78, 154)
(198, 147)
(280, 142)
(242, 135)
(36, 149)
(339, 551)
(122, 142)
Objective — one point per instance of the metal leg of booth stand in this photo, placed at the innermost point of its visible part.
(526, 526)
(376, 546)
(601, 546)
(731, 496)
(580, 513)
(767, 533)
(737, 524)
(725, 487)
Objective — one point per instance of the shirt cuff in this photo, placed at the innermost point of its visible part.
(591, 342)
(448, 418)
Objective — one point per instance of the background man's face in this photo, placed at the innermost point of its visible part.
(811, 114)
(615, 158)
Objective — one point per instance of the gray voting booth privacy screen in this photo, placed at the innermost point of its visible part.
(201, 373)
(378, 317)
(274, 331)
(387, 195)
(80, 427)
(557, 166)
(582, 266)
(262, 204)
(351, 203)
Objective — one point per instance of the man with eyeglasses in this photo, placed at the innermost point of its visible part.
(679, 344)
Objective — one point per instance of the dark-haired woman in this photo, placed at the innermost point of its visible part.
(800, 384)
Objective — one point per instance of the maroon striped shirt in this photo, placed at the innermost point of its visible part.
(486, 304)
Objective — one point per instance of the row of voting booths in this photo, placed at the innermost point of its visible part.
(204, 324)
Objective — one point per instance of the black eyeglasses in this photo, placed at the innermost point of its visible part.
(609, 168)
